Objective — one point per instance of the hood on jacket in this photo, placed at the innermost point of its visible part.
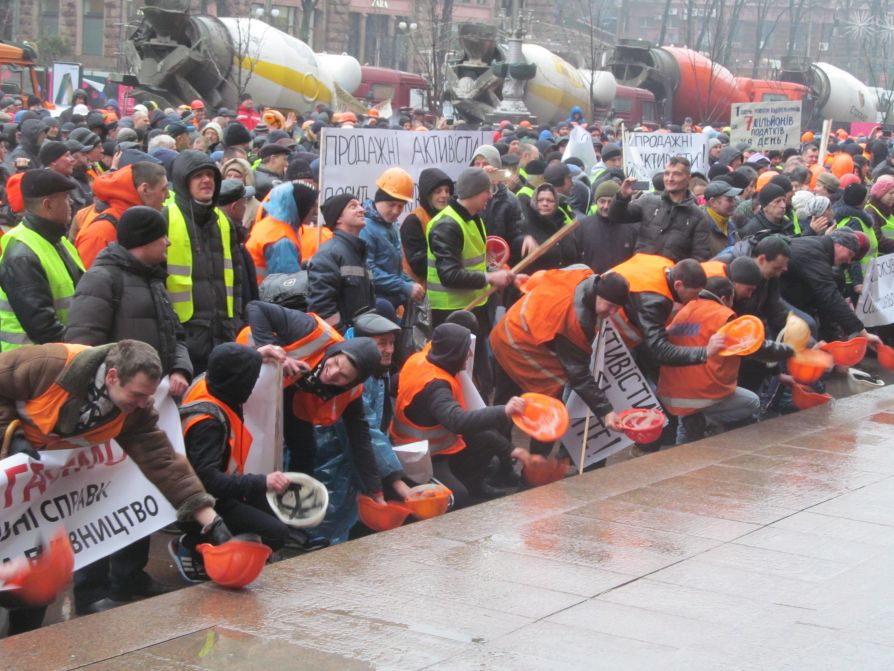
(281, 205)
(727, 155)
(116, 189)
(450, 345)
(31, 130)
(232, 372)
(185, 166)
(243, 166)
(429, 180)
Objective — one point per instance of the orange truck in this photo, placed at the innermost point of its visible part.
(18, 72)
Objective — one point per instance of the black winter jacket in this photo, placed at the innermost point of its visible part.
(339, 280)
(562, 254)
(412, 230)
(811, 285)
(674, 230)
(766, 302)
(209, 325)
(760, 223)
(27, 288)
(503, 218)
(121, 298)
(604, 244)
(446, 241)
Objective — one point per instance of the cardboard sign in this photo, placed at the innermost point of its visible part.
(876, 304)
(352, 159)
(766, 125)
(100, 495)
(624, 385)
(648, 153)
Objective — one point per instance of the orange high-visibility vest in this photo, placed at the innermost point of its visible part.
(268, 231)
(309, 236)
(685, 390)
(519, 338)
(312, 350)
(39, 416)
(645, 273)
(239, 438)
(715, 269)
(417, 372)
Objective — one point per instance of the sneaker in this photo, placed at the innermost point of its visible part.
(301, 540)
(188, 562)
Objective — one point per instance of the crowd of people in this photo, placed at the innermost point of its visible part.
(191, 244)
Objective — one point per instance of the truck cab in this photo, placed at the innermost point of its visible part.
(18, 75)
(403, 89)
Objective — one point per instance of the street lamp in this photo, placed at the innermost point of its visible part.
(407, 29)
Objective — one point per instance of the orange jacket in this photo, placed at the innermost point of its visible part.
(312, 238)
(685, 390)
(268, 231)
(239, 439)
(519, 339)
(39, 416)
(645, 273)
(715, 268)
(312, 350)
(117, 192)
(417, 372)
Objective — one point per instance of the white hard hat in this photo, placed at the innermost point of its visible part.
(303, 504)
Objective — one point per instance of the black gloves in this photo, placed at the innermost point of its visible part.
(217, 532)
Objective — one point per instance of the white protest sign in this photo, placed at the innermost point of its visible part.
(263, 419)
(100, 495)
(648, 153)
(876, 304)
(766, 125)
(625, 387)
(352, 159)
(97, 493)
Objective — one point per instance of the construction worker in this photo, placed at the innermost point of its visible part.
(273, 242)
(69, 396)
(431, 406)
(545, 341)
(202, 281)
(744, 272)
(381, 234)
(457, 269)
(708, 393)
(325, 387)
(39, 267)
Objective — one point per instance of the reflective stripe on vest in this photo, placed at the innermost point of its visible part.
(473, 260)
(869, 231)
(888, 227)
(417, 372)
(313, 343)
(192, 412)
(40, 415)
(62, 286)
(796, 225)
(525, 191)
(179, 282)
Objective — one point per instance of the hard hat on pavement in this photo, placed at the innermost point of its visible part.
(303, 504)
(237, 562)
(397, 183)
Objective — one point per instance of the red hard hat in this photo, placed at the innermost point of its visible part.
(237, 562)
(197, 105)
(864, 245)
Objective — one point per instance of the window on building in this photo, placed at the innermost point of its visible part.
(94, 24)
(49, 17)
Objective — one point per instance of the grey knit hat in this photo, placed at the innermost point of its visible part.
(471, 182)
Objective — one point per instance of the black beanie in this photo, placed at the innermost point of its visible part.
(139, 226)
(744, 270)
(614, 288)
(854, 195)
(232, 372)
(334, 206)
(783, 183)
(235, 134)
(51, 151)
(305, 197)
(769, 193)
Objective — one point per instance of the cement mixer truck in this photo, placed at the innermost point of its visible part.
(182, 57)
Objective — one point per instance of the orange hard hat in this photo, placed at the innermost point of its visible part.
(744, 336)
(886, 356)
(426, 501)
(544, 418)
(49, 574)
(237, 562)
(764, 179)
(539, 470)
(197, 105)
(807, 136)
(373, 112)
(842, 164)
(642, 425)
(847, 352)
(397, 183)
(804, 397)
(381, 516)
(348, 117)
(809, 365)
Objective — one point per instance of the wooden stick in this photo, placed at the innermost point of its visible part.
(824, 142)
(7, 437)
(530, 258)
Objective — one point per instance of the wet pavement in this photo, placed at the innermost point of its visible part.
(769, 547)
